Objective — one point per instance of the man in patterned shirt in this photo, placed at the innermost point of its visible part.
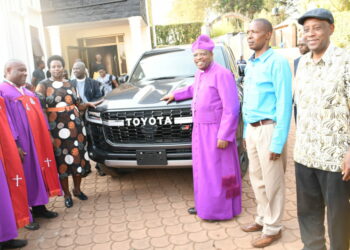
(322, 146)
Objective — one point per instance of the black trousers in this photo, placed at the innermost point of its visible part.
(316, 190)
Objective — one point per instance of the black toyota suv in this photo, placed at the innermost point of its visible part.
(132, 128)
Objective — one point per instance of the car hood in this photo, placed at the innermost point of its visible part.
(145, 94)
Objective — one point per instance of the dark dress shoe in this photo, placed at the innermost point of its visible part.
(12, 244)
(99, 170)
(45, 214)
(68, 202)
(211, 221)
(80, 196)
(192, 210)
(42, 212)
(32, 226)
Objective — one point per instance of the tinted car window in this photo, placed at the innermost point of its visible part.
(170, 64)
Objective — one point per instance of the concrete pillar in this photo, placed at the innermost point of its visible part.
(6, 50)
(55, 40)
(15, 41)
(136, 40)
(29, 48)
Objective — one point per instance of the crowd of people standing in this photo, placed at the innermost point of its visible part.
(43, 141)
(322, 149)
(32, 169)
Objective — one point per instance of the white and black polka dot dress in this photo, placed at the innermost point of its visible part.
(67, 129)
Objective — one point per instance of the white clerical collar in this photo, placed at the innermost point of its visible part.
(81, 80)
(20, 89)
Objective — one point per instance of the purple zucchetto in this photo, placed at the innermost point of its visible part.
(203, 42)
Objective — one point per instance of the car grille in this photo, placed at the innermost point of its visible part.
(148, 133)
(96, 135)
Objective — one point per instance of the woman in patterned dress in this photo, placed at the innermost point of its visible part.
(60, 102)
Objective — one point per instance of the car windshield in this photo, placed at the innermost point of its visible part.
(170, 64)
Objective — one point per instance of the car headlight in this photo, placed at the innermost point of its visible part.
(94, 116)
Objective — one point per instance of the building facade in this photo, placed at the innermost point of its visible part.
(32, 30)
(116, 29)
(22, 33)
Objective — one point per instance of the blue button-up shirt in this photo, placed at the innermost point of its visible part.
(268, 95)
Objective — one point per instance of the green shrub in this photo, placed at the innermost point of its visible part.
(176, 34)
(341, 36)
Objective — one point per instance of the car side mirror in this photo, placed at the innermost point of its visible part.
(241, 68)
(123, 79)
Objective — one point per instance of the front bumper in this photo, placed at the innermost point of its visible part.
(133, 164)
(126, 158)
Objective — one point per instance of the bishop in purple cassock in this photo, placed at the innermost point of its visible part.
(215, 111)
(12, 91)
(37, 194)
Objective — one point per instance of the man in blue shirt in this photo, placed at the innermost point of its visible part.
(267, 107)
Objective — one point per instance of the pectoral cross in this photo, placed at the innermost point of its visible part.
(47, 161)
(17, 179)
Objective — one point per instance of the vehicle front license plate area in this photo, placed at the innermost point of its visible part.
(151, 157)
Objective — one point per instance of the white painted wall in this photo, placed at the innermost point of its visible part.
(54, 40)
(136, 38)
(16, 17)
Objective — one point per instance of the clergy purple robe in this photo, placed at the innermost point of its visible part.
(216, 172)
(36, 189)
(8, 228)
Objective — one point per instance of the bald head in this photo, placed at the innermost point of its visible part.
(79, 70)
(15, 71)
(11, 63)
(79, 65)
(264, 24)
(302, 45)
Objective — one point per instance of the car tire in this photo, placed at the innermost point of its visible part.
(243, 160)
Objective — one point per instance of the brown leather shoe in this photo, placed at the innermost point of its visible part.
(266, 240)
(252, 228)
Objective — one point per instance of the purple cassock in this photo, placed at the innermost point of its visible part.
(216, 172)
(37, 194)
(8, 228)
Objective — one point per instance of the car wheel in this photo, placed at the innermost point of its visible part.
(242, 152)
(243, 160)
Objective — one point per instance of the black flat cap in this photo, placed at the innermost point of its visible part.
(318, 13)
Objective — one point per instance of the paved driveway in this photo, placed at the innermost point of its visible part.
(148, 210)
